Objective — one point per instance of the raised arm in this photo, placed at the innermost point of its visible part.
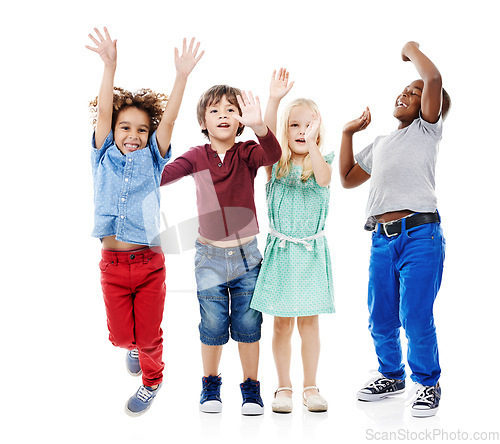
(278, 89)
(250, 114)
(432, 93)
(322, 170)
(106, 48)
(184, 64)
(351, 174)
(269, 151)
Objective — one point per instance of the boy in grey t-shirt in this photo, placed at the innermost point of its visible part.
(407, 252)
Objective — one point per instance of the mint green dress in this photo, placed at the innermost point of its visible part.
(294, 281)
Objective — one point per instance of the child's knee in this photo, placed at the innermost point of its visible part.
(123, 340)
(307, 324)
(283, 326)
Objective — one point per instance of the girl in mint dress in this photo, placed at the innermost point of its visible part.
(295, 280)
(296, 276)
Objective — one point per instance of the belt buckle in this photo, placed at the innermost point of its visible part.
(385, 228)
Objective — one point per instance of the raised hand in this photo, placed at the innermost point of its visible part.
(312, 131)
(408, 46)
(279, 84)
(358, 124)
(105, 47)
(186, 62)
(250, 113)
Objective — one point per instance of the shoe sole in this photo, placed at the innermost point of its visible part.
(211, 407)
(370, 397)
(416, 413)
(135, 414)
(251, 409)
(316, 409)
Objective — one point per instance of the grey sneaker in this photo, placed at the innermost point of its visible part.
(381, 388)
(132, 362)
(141, 401)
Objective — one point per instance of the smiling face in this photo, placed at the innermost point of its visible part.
(408, 103)
(219, 120)
(298, 121)
(131, 130)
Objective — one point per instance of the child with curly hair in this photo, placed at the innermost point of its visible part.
(131, 145)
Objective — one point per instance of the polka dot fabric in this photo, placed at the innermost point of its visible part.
(127, 192)
(293, 281)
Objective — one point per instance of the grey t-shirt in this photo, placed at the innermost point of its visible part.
(402, 168)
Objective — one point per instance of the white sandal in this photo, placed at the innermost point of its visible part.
(314, 403)
(282, 404)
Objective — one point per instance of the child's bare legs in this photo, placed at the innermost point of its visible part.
(282, 351)
(309, 332)
(249, 357)
(210, 355)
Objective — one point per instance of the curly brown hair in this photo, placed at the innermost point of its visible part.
(151, 102)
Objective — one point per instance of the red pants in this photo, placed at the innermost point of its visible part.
(133, 283)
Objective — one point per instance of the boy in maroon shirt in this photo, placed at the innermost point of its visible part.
(227, 260)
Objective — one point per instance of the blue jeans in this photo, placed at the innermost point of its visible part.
(226, 279)
(405, 276)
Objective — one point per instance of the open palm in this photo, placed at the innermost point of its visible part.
(185, 62)
(105, 47)
(250, 110)
(279, 84)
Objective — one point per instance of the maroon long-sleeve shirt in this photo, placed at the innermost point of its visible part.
(225, 190)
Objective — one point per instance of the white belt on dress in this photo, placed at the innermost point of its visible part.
(284, 238)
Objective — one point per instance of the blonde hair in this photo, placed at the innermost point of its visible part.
(284, 164)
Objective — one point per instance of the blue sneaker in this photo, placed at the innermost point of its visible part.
(210, 401)
(427, 401)
(252, 402)
(132, 362)
(141, 401)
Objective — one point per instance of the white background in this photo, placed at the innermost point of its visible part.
(62, 381)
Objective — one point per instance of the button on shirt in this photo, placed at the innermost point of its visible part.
(127, 192)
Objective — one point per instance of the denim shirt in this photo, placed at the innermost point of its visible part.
(127, 192)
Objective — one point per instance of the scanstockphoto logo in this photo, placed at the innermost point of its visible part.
(436, 434)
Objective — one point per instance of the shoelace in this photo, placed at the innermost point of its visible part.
(134, 354)
(378, 383)
(211, 387)
(251, 393)
(144, 394)
(421, 394)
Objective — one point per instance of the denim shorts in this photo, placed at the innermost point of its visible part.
(226, 279)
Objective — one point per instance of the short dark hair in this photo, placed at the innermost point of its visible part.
(446, 105)
(213, 96)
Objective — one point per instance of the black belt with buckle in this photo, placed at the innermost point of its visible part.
(395, 227)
